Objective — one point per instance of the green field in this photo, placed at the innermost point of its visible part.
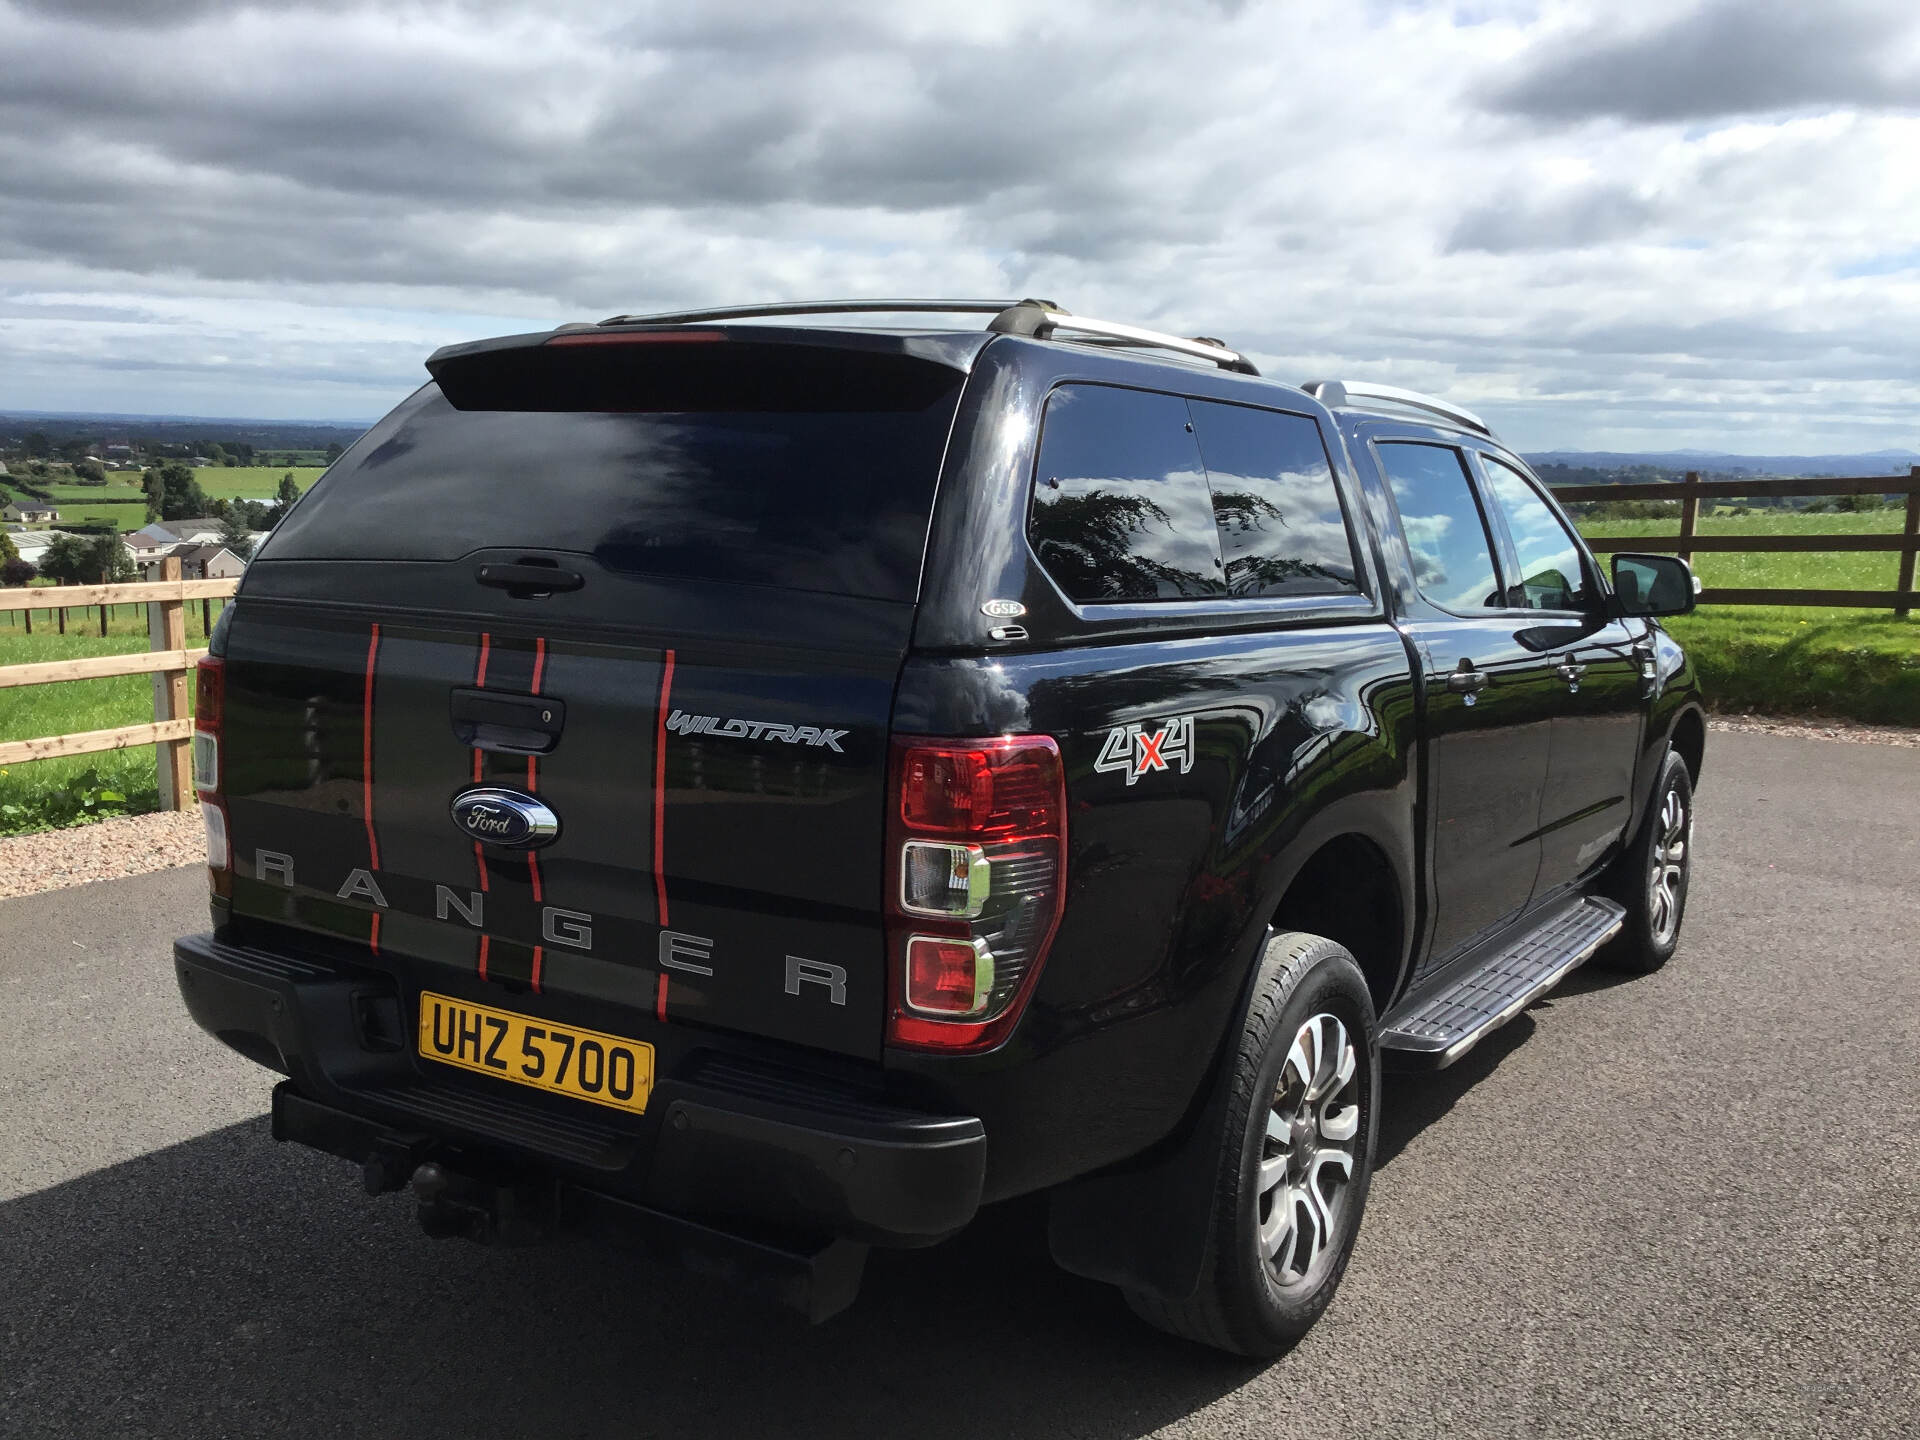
(43, 794)
(82, 503)
(1861, 664)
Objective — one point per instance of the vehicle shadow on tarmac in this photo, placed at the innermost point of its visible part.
(232, 1286)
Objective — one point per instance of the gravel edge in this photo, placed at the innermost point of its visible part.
(105, 850)
(140, 844)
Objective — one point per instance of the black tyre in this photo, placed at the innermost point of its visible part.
(1651, 878)
(1295, 1157)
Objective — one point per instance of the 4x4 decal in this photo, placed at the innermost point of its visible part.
(1135, 750)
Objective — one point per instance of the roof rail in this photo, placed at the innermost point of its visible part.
(819, 307)
(1335, 393)
(1040, 319)
(1043, 320)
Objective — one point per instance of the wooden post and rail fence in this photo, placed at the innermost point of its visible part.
(167, 660)
(1691, 491)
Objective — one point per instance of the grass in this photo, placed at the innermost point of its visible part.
(250, 482)
(1861, 664)
(74, 789)
(82, 503)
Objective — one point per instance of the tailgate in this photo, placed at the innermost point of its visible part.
(700, 699)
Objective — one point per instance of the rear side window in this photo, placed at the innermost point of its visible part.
(790, 466)
(1121, 509)
(1452, 556)
(1282, 531)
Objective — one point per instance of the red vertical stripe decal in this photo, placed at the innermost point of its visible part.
(366, 758)
(533, 784)
(373, 934)
(660, 788)
(483, 957)
(660, 997)
(537, 953)
(479, 856)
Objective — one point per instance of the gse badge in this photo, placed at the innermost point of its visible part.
(1136, 750)
(509, 818)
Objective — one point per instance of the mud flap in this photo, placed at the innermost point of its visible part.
(1144, 1226)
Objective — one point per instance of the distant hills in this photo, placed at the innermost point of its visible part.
(1872, 462)
(180, 429)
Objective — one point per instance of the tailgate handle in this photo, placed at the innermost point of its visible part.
(511, 724)
(524, 581)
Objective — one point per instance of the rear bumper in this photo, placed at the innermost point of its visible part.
(726, 1139)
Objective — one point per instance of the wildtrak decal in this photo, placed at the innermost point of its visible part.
(681, 723)
(1134, 750)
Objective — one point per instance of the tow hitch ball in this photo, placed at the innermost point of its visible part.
(454, 1206)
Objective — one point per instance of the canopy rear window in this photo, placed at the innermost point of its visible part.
(796, 466)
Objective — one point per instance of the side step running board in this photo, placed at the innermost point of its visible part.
(1448, 1023)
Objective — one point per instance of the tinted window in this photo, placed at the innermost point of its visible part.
(832, 492)
(1120, 503)
(1551, 575)
(1452, 557)
(1281, 527)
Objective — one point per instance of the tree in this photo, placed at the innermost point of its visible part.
(8, 550)
(107, 560)
(67, 560)
(289, 490)
(89, 472)
(173, 493)
(333, 452)
(17, 572)
(38, 445)
(151, 488)
(235, 536)
(73, 451)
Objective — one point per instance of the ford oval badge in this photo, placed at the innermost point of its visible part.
(509, 818)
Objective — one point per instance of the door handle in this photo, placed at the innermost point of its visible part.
(1467, 682)
(1570, 672)
(528, 582)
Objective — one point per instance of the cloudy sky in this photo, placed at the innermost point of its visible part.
(1605, 223)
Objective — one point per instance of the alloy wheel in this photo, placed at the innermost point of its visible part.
(1307, 1156)
(1667, 870)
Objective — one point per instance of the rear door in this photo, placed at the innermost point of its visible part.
(661, 587)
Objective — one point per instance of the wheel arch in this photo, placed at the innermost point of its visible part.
(1689, 740)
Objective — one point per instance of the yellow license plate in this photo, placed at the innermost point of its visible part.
(560, 1059)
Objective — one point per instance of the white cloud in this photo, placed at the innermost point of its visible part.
(281, 210)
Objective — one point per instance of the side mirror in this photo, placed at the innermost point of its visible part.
(1654, 585)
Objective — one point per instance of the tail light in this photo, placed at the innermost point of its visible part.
(209, 716)
(977, 847)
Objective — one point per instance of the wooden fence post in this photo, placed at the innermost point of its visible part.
(167, 630)
(1913, 540)
(1689, 513)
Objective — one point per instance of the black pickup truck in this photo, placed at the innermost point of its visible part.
(759, 784)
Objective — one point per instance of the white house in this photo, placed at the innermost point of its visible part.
(201, 562)
(161, 536)
(30, 512)
(33, 544)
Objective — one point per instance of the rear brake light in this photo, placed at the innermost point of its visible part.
(948, 977)
(209, 719)
(977, 845)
